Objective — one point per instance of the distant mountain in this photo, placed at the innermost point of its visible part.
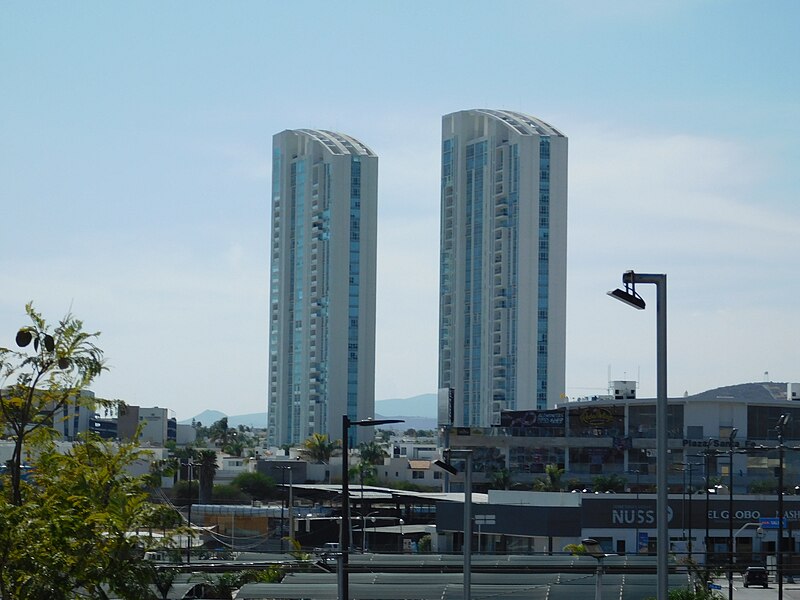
(418, 412)
(423, 405)
(408, 422)
(209, 417)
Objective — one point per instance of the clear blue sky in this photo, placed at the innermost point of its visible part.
(135, 176)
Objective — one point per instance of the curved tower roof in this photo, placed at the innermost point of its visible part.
(520, 122)
(338, 143)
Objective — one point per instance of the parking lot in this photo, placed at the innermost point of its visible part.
(791, 591)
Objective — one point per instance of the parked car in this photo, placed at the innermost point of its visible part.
(328, 549)
(755, 576)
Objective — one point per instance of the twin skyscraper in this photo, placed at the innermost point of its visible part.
(503, 252)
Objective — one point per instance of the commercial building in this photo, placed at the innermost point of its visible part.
(322, 285)
(502, 315)
(615, 435)
(544, 522)
(155, 425)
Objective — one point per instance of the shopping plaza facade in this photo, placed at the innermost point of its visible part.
(616, 436)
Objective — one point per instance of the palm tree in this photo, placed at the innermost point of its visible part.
(366, 472)
(318, 449)
(551, 482)
(372, 453)
(500, 480)
(207, 461)
(221, 433)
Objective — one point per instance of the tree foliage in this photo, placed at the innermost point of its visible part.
(318, 448)
(609, 483)
(256, 485)
(372, 453)
(75, 532)
(42, 379)
(206, 465)
(551, 482)
(364, 473)
(500, 479)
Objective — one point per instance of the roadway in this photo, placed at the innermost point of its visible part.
(791, 591)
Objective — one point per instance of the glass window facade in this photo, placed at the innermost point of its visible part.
(642, 421)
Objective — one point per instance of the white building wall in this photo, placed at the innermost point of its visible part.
(503, 264)
(324, 226)
(154, 425)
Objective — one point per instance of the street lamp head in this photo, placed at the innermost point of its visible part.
(373, 422)
(446, 466)
(628, 296)
(783, 420)
(593, 547)
(732, 436)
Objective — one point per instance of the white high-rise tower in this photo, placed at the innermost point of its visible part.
(502, 316)
(322, 285)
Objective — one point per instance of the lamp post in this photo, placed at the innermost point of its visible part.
(689, 466)
(401, 523)
(636, 472)
(445, 464)
(594, 549)
(631, 298)
(709, 452)
(782, 422)
(364, 529)
(731, 437)
(189, 471)
(344, 532)
(289, 504)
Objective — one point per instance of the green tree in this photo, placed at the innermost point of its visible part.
(365, 473)
(763, 486)
(551, 482)
(47, 376)
(318, 449)
(372, 453)
(256, 485)
(220, 432)
(500, 480)
(609, 483)
(75, 532)
(185, 492)
(207, 463)
(235, 447)
(575, 549)
(230, 494)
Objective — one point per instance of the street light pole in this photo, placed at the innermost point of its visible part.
(731, 437)
(283, 504)
(630, 297)
(189, 469)
(708, 492)
(594, 549)
(344, 532)
(690, 465)
(467, 549)
(636, 472)
(782, 422)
